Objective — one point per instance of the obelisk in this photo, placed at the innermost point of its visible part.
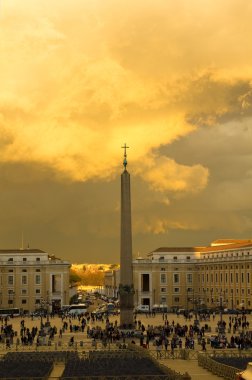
(126, 288)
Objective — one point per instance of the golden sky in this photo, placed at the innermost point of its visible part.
(80, 78)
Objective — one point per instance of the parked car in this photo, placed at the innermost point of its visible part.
(142, 308)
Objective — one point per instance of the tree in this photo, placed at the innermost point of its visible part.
(74, 277)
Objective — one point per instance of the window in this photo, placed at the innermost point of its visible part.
(37, 291)
(176, 278)
(176, 290)
(24, 280)
(24, 259)
(145, 282)
(163, 290)
(10, 259)
(231, 277)
(203, 277)
(236, 277)
(248, 291)
(161, 258)
(189, 278)
(162, 269)
(37, 301)
(242, 277)
(24, 270)
(37, 258)
(37, 270)
(23, 291)
(163, 278)
(188, 257)
(248, 278)
(163, 300)
(10, 270)
(175, 257)
(24, 302)
(10, 280)
(176, 299)
(37, 279)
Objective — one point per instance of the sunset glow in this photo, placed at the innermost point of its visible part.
(79, 79)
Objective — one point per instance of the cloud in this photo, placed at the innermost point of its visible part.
(75, 85)
(160, 226)
(164, 174)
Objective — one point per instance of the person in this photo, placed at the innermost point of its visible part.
(7, 343)
(94, 343)
(141, 339)
(158, 348)
(147, 341)
(166, 343)
(203, 345)
(172, 348)
(71, 342)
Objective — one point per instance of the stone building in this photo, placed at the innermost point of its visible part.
(30, 278)
(194, 278)
(111, 283)
(166, 277)
(224, 274)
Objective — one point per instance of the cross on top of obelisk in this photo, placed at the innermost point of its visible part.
(125, 155)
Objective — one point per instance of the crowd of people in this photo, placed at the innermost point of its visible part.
(183, 332)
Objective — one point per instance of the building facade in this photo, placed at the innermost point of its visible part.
(165, 277)
(194, 278)
(31, 278)
(111, 283)
(224, 274)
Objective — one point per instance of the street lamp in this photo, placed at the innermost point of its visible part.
(11, 295)
(204, 297)
(212, 300)
(232, 292)
(44, 304)
(221, 306)
(187, 290)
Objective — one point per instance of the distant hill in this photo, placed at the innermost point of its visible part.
(90, 274)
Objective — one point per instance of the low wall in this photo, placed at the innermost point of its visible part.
(207, 360)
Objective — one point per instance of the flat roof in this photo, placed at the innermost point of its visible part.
(18, 251)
